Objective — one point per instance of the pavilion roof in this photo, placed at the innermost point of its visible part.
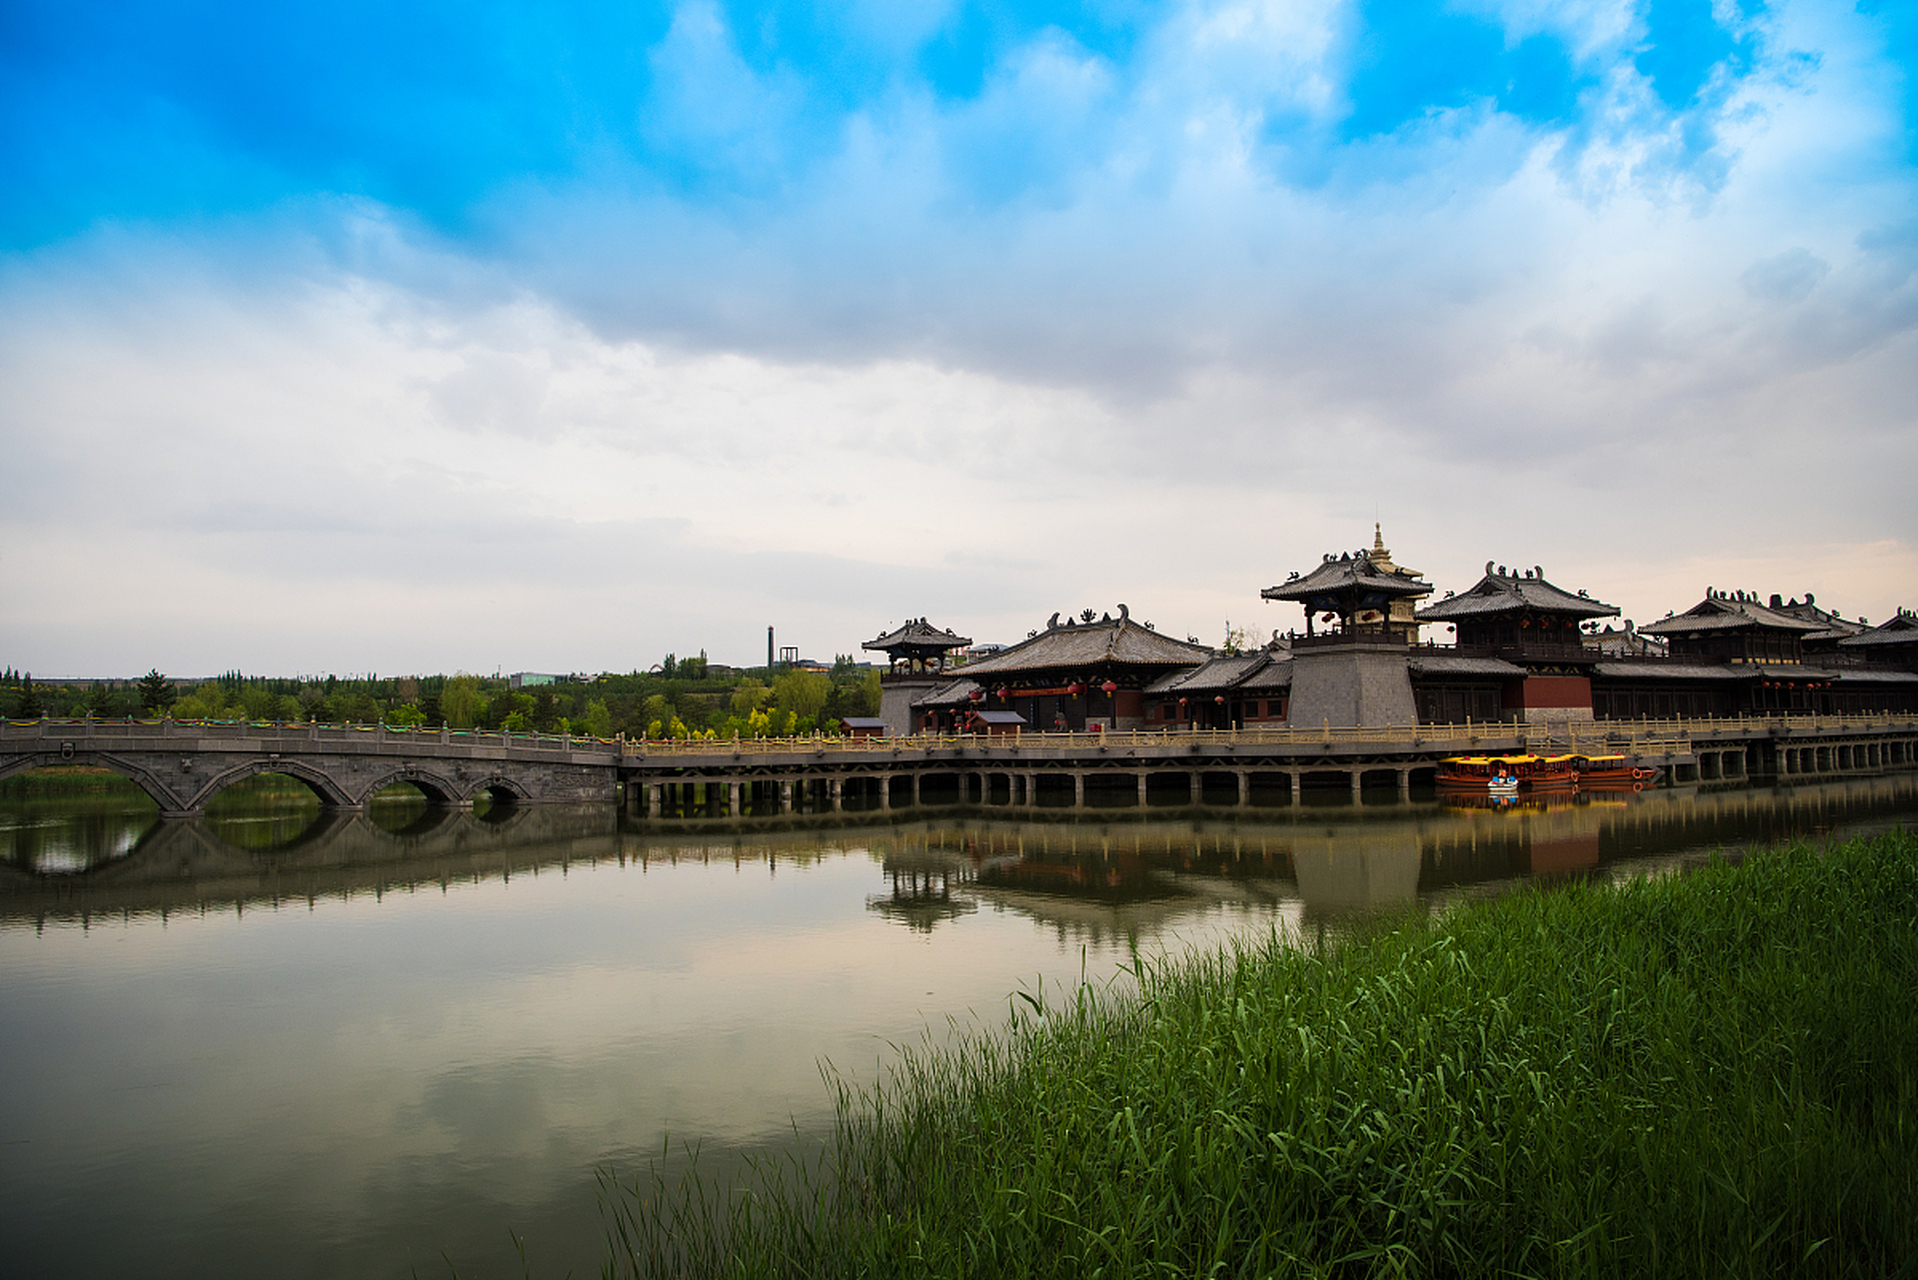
(1352, 574)
(1073, 645)
(917, 634)
(1501, 592)
(1729, 611)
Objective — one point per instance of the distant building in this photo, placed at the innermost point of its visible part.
(532, 679)
(1072, 675)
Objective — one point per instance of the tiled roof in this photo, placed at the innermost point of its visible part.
(1348, 574)
(1449, 665)
(917, 633)
(1276, 674)
(1900, 628)
(1878, 677)
(1833, 626)
(1213, 676)
(953, 693)
(1076, 646)
(1667, 671)
(1722, 611)
(1500, 592)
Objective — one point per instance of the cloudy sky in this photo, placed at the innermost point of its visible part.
(361, 336)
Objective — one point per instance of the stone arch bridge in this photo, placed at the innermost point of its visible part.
(183, 765)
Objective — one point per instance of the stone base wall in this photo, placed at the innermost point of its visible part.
(1361, 686)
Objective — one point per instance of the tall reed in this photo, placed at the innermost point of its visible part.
(1700, 1076)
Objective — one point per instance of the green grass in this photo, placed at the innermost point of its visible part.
(1700, 1076)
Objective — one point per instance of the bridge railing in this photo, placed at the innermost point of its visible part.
(1462, 737)
(1640, 736)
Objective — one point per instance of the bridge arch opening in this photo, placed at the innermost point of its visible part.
(410, 802)
(282, 778)
(264, 809)
(64, 820)
(497, 800)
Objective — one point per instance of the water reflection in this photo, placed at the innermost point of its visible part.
(272, 844)
(275, 1042)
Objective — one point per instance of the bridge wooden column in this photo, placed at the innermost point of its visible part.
(1078, 789)
(1245, 788)
(1143, 777)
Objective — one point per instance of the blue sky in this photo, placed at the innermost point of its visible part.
(393, 337)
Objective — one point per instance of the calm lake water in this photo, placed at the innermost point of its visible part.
(278, 1042)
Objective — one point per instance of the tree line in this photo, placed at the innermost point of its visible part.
(678, 698)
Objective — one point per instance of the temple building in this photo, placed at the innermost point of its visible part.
(1732, 656)
(1362, 592)
(1523, 649)
(1893, 643)
(917, 655)
(1518, 630)
(1230, 691)
(1075, 675)
(1835, 629)
(1356, 674)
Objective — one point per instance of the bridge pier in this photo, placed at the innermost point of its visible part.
(1405, 784)
(1298, 786)
(732, 799)
(837, 788)
(1245, 788)
(1078, 790)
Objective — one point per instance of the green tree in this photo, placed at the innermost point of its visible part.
(545, 713)
(461, 702)
(655, 712)
(802, 693)
(749, 695)
(156, 693)
(596, 720)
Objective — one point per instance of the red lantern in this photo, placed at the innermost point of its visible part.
(1111, 687)
(977, 695)
(1220, 699)
(1075, 689)
(1182, 702)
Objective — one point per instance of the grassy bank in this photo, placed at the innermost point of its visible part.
(1700, 1076)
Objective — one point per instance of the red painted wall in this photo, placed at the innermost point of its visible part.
(1548, 691)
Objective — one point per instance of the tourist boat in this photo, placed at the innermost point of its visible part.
(1611, 773)
(1504, 775)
